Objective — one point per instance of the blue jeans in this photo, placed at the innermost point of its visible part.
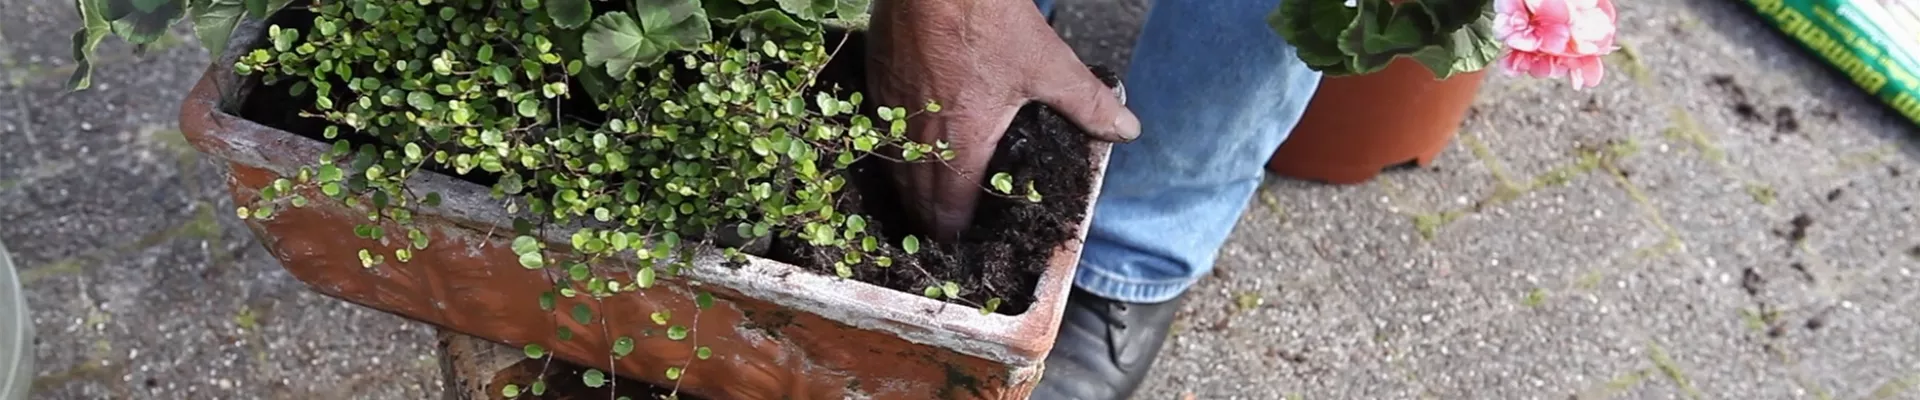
(1217, 91)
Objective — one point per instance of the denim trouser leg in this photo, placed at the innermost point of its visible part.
(1216, 91)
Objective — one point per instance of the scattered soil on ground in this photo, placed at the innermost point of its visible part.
(1783, 118)
(1751, 281)
(1797, 229)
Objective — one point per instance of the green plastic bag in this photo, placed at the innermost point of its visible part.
(1873, 42)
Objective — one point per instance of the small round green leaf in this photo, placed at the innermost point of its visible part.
(594, 378)
(579, 271)
(644, 278)
(533, 261)
(420, 239)
(528, 108)
(525, 244)
(1003, 182)
(911, 244)
(582, 314)
(622, 346)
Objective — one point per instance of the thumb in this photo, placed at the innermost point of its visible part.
(1072, 89)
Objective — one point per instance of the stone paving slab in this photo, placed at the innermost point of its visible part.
(1670, 234)
(142, 281)
(1637, 240)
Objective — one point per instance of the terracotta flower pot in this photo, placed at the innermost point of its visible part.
(1356, 126)
(776, 331)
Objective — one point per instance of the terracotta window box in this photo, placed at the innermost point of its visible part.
(777, 331)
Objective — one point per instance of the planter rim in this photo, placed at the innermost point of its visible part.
(16, 340)
(208, 118)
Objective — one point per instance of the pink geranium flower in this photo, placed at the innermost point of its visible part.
(1582, 71)
(1556, 38)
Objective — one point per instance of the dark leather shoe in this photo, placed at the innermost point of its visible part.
(1105, 348)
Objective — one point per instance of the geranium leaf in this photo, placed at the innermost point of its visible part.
(148, 5)
(94, 27)
(1469, 49)
(849, 9)
(140, 27)
(1313, 27)
(811, 10)
(769, 20)
(213, 23)
(569, 14)
(1376, 36)
(616, 42)
(114, 10)
(256, 7)
(674, 24)
(1450, 16)
(621, 44)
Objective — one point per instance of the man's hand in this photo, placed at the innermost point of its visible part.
(981, 60)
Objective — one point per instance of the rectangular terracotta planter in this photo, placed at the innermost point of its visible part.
(777, 331)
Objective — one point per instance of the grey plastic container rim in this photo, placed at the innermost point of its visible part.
(16, 333)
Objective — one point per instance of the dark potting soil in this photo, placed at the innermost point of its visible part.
(1005, 251)
(1007, 248)
(1002, 255)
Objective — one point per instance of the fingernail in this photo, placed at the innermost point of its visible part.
(1127, 126)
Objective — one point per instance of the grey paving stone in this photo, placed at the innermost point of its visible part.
(143, 283)
(1617, 261)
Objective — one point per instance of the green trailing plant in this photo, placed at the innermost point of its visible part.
(1354, 37)
(649, 127)
(144, 22)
